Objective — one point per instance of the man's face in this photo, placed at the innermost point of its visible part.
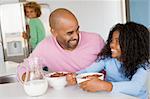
(68, 34)
(114, 45)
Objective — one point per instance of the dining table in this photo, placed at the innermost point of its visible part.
(16, 91)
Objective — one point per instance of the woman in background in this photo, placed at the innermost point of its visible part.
(35, 31)
(125, 60)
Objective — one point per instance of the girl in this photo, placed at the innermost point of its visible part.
(36, 29)
(125, 60)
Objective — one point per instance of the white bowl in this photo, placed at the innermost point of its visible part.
(56, 82)
(36, 87)
(80, 78)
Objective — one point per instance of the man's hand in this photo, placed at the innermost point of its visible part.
(71, 79)
(95, 84)
(24, 76)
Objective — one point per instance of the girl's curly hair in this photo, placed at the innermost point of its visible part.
(34, 6)
(134, 44)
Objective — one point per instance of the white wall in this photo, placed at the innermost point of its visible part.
(46, 10)
(93, 15)
(8, 1)
(2, 67)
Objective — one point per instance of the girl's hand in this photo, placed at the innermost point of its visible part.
(96, 84)
(71, 78)
(25, 35)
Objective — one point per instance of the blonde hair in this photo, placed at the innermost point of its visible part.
(34, 6)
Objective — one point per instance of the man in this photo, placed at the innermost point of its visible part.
(67, 49)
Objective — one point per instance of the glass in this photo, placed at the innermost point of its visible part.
(31, 69)
(31, 77)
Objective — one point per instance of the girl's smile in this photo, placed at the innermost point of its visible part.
(114, 45)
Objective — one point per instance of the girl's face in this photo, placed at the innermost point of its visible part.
(114, 45)
(30, 13)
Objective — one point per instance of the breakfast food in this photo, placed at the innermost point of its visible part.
(57, 80)
(58, 74)
(87, 76)
(91, 76)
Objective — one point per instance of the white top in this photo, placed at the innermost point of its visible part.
(16, 91)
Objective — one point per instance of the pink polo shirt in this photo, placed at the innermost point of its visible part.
(57, 59)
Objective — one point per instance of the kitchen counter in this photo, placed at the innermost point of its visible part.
(10, 68)
(16, 91)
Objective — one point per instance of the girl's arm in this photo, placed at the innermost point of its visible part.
(134, 86)
(95, 67)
